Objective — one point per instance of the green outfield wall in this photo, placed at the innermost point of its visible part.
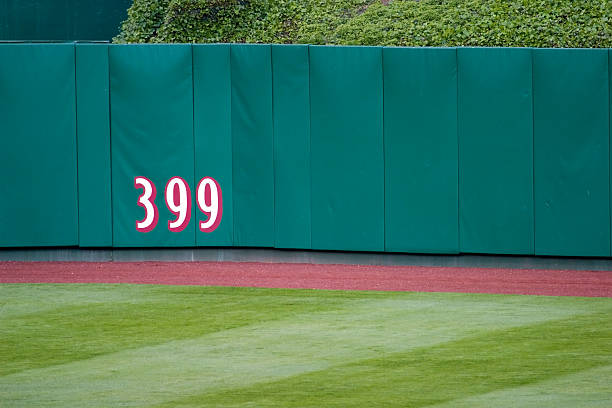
(415, 150)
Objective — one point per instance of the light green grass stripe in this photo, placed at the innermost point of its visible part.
(325, 329)
(589, 388)
(44, 325)
(27, 299)
(455, 370)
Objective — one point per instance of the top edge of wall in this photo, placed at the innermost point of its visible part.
(276, 45)
(52, 42)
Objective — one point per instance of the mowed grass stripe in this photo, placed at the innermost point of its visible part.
(495, 360)
(258, 347)
(79, 332)
(587, 388)
(109, 318)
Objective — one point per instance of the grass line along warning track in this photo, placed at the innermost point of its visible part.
(316, 276)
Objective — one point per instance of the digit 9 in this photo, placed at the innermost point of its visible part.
(182, 210)
(210, 202)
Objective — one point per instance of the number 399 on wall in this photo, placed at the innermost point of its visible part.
(178, 200)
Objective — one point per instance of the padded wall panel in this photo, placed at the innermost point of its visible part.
(495, 150)
(420, 118)
(291, 146)
(213, 134)
(38, 145)
(571, 135)
(346, 93)
(93, 135)
(152, 136)
(252, 145)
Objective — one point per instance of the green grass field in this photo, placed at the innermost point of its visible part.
(171, 346)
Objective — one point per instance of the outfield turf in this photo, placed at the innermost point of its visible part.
(166, 346)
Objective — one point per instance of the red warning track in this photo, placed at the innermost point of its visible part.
(309, 276)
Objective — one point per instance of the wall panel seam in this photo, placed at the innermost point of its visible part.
(76, 148)
(459, 249)
(533, 167)
(194, 184)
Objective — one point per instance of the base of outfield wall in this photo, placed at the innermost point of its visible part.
(297, 256)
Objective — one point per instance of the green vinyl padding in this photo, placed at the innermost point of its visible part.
(421, 150)
(152, 136)
(347, 160)
(291, 146)
(213, 134)
(420, 118)
(93, 135)
(571, 148)
(495, 150)
(252, 145)
(38, 186)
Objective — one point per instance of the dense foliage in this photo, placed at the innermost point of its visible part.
(535, 23)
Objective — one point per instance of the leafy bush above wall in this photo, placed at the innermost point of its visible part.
(144, 19)
(509, 23)
(527, 23)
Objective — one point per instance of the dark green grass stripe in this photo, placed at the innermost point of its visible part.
(144, 316)
(467, 367)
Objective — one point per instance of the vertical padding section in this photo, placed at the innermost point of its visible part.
(420, 125)
(495, 150)
(291, 146)
(93, 135)
(151, 136)
(347, 161)
(213, 137)
(571, 148)
(38, 145)
(252, 145)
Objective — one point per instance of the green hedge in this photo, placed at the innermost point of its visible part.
(528, 23)
(253, 21)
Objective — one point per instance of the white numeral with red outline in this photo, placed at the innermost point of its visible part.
(177, 196)
(147, 201)
(210, 201)
(183, 209)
